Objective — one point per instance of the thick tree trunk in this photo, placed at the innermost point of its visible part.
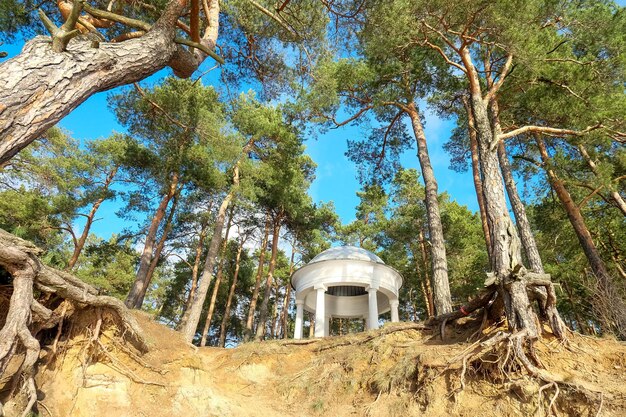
(609, 305)
(189, 328)
(194, 273)
(148, 249)
(231, 294)
(619, 201)
(247, 334)
(39, 86)
(505, 246)
(263, 310)
(523, 225)
(478, 181)
(218, 281)
(90, 217)
(439, 262)
(505, 242)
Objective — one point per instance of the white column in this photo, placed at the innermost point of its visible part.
(297, 334)
(320, 311)
(395, 317)
(372, 302)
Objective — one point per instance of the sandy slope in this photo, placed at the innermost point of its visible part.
(403, 372)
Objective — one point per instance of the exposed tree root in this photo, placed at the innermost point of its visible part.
(509, 354)
(33, 281)
(512, 352)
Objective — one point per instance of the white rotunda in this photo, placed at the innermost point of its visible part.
(345, 282)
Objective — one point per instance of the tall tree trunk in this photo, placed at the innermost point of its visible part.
(247, 334)
(523, 225)
(190, 327)
(619, 201)
(478, 181)
(194, 273)
(78, 248)
(430, 303)
(505, 250)
(439, 262)
(148, 249)
(505, 247)
(263, 310)
(287, 301)
(274, 321)
(284, 314)
(39, 87)
(218, 280)
(423, 278)
(231, 294)
(610, 307)
(157, 253)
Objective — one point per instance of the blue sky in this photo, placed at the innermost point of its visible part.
(335, 177)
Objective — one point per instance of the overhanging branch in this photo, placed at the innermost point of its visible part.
(544, 130)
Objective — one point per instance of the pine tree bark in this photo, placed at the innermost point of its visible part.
(610, 307)
(523, 225)
(78, 248)
(190, 327)
(39, 87)
(505, 246)
(148, 249)
(274, 321)
(218, 281)
(439, 262)
(231, 294)
(194, 273)
(478, 181)
(287, 301)
(157, 253)
(428, 291)
(247, 334)
(263, 310)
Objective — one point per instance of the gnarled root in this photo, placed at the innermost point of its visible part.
(26, 315)
(512, 351)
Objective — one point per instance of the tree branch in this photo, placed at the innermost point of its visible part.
(103, 14)
(201, 47)
(275, 18)
(444, 56)
(545, 130)
(503, 73)
(351, 118)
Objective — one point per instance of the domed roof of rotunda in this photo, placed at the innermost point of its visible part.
(348, 253)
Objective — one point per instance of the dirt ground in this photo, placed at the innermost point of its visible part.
(398, 370)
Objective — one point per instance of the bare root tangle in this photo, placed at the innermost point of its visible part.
(501, 354)
(26, 316)
(513, 350)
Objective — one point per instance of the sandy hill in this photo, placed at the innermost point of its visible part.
(397, 370)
